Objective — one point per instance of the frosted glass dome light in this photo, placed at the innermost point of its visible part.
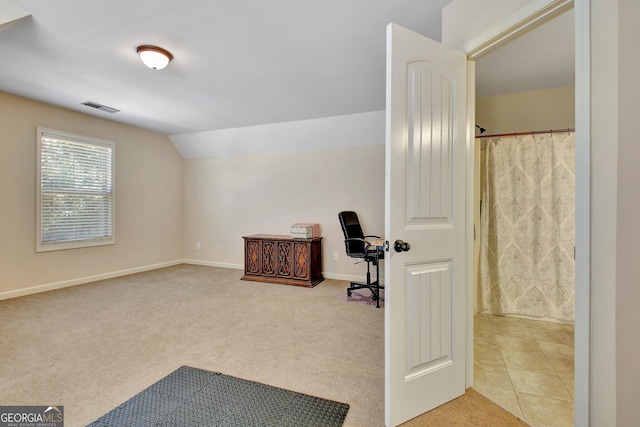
(154, 57)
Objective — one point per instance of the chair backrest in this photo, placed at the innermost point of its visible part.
(352, 230)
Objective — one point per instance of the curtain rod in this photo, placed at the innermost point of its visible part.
(535, 132)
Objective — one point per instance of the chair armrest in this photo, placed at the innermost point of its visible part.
(355, 238)
(367, 244)
(371, 243)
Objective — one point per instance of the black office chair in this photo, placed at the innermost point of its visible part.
(357, 246)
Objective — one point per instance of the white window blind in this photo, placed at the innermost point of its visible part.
(76, 194)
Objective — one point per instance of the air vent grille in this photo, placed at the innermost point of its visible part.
(100, 107)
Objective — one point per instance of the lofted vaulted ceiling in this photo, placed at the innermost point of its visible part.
(236, 63)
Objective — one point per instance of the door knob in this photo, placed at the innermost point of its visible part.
(401, 246)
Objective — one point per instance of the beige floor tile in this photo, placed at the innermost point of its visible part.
(481, 324)
(557, 337)
(568, 328)
(547, 326)
(482, 329)
(510, 330)
(487, 338)
(487, 355)
(532, 362)
(505, 398)
(480, 318)
(493, 376)
(539, 384)
(524, 344)
(569, 384)
(526, 367)
(563, 367)
(559, 351)
(501, 320)
(544, 412)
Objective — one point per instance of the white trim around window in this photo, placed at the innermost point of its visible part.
(75, 191)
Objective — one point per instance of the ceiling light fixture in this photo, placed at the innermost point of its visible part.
(154, 57)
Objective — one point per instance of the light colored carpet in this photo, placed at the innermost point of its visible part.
(91, 347)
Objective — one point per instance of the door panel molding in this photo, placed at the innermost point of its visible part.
(429, 330)
(430, 114)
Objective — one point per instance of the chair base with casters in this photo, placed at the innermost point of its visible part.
(374, 287)
(358, 247)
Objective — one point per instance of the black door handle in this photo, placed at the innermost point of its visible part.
(401, 246)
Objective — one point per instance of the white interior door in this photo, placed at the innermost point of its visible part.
(425, 207)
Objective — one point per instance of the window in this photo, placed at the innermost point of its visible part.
(75, 191)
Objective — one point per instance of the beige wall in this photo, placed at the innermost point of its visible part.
(527, 111)
(229, 197)
(149, 212)
(165, 204)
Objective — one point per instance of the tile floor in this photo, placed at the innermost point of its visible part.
(526, 366)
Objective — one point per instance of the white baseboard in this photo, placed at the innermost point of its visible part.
(213, 264)
(82, 280)
(326, 275)
(349, 278)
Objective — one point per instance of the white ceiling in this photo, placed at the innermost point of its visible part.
(236, 63)
(540, 59)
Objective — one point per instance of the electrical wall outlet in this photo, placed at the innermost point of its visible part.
(197, 245)
(335, 256)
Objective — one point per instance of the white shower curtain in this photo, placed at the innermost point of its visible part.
(528, 216)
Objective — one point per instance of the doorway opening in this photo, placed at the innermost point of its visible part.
(522, 362)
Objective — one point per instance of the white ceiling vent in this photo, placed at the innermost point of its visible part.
(100, 107)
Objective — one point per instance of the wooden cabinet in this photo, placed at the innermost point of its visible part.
(282, 259)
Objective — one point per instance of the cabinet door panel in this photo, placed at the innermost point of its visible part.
(269, 258)
(285, 252)
(301, 260)
(253, 258)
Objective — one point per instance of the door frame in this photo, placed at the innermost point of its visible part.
(536, 13)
